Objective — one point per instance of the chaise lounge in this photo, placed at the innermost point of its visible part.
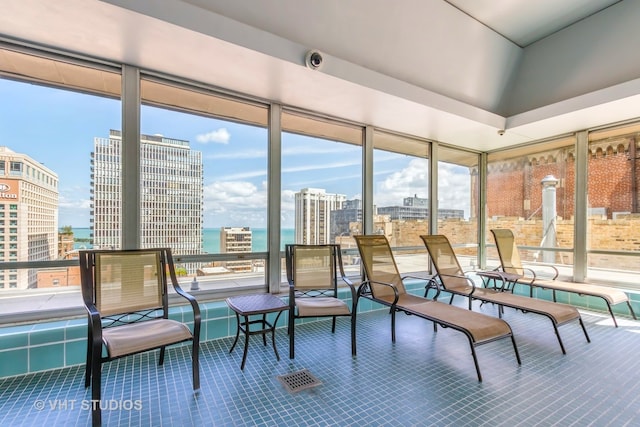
(452, 279)
(515, 272)
(383, 284)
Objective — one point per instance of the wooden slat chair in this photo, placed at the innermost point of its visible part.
(312, 274)
(511, 264)
(125, 295)
(453, 280)
(384, 284)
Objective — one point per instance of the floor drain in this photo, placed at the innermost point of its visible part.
(299, 380)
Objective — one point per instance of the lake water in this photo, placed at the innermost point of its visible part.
(210, 238)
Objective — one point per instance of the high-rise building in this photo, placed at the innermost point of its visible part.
(313, 215)
(171, 197)
(235, 240)
(350, 212)
(28, 216)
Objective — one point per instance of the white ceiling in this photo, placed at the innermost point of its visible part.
(456, 71)
(525, 21)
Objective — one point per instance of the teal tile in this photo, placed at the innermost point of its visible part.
(14, 340)
(75, 331)
(13, 362)
(75, 352)
(218, 328)
(45, 357)
(44, 336)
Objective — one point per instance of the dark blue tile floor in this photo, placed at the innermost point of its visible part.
(424, 379)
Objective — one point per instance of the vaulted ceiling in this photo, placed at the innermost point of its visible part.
(456, 71)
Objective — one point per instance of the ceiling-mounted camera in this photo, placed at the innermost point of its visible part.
(314, 60)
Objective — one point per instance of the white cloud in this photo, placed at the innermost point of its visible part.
(221, 136)
(407, 182)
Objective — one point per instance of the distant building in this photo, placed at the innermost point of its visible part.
(415, 208)
(171, 195)
(313, 208)
(28, 216)
(341, 218)
(236, 240)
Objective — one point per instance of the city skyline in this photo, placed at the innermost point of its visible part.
(234, 155)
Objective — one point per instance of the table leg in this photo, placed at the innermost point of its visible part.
(264, 325)
(273, 335)
(246, 341)
(237, 333)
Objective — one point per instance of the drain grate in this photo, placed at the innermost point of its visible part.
(299, 380)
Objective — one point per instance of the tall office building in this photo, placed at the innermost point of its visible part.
(171, 194)
(236, 240)
(313, 215)
(28, 216)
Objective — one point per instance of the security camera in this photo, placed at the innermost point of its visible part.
(500, 132)
(314, 60)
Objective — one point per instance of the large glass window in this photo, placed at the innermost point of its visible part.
(401, 196)
(204, 182)
(51, 109)
(321, 181)
(458, 208)
(531, 191)
(613, 220)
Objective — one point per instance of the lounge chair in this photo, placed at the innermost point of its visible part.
(453, 280)
(383, 284)
(511, 264)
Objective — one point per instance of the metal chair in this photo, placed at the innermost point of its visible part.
(125, 295)
(313, 288)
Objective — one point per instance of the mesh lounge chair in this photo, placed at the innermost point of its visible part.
(383, 284)
(313, 288)
(125, 295)
(515, 272)
(453, 280)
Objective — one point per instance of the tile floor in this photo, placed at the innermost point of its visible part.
(424, 379)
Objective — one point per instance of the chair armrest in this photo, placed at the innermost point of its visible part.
(194, 306)
(367, 283)
(533, 273)
(471, 282)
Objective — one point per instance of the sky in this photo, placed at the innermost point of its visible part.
(57, 128)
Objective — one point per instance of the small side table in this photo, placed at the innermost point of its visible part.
(250, 305)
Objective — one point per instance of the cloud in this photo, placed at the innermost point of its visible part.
(408, 182)
(221, 136)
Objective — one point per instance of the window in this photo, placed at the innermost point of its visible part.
(204, 181)
(531, 190)
(49, 185)
(401, 196)
(321, 181)
(613, 191)
(458, 191)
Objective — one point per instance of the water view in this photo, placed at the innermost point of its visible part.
(210, 237)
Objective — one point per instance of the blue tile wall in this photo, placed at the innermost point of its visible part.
(53, 345)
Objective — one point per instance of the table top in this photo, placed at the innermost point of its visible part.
(247, 305)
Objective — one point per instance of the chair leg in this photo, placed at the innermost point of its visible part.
(615, 323)
(333, 325)
(96, 381)
(393, 325)
(353, 335)
(475, 361)
(631, 310)
(87, 368)
(195, 362)
(291, 327)
(555, 327)
(586, 335)
(161, 358)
